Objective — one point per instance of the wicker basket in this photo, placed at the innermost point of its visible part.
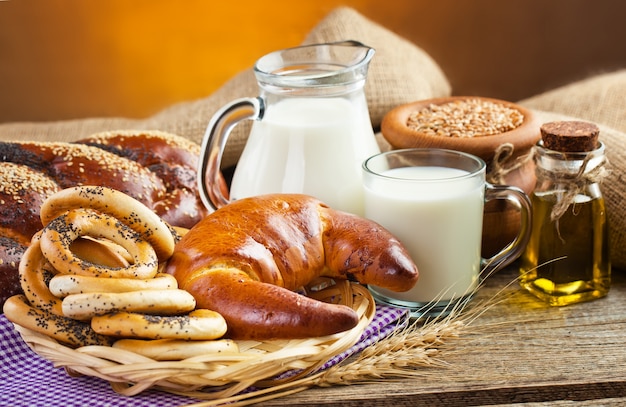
(257, 365)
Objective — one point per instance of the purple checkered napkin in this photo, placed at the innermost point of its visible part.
(386, 320)
(26, 379)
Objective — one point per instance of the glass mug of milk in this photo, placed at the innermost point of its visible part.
(432, 200)
(310, 133)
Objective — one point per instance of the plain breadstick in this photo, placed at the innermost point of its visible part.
(176, 349)
(63, 285)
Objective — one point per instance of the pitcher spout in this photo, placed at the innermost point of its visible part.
(322, 65)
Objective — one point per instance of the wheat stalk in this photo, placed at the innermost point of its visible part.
(409, 351)
(399, 355)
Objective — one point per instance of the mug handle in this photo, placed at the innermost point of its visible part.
(214, 142)
(514, 249)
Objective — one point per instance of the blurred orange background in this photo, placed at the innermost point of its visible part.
(64, 59)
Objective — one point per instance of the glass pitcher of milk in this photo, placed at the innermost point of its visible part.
(311, 129)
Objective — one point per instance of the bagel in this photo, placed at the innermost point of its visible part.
(176, 349)
(200, 324)
(158, 302)
(65, 330)
(119, 205)
(34, 272)
(59, 234)
(63, 285)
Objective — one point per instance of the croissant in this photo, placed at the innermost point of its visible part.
(246, 259)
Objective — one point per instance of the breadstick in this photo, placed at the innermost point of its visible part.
(197, 325)
(176, 349)
(63, 285)
(65, 330)
(158, 302)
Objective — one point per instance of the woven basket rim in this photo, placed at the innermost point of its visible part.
(258, 364)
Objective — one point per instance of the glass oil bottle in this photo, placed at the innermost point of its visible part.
(567, 258)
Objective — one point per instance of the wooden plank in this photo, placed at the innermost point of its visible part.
(519, 351)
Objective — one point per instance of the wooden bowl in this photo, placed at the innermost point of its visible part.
(396, 131)
(501, 222)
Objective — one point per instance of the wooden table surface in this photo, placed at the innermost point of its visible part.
(518, 351)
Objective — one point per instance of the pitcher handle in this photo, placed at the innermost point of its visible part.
(515, 248)
(213, 144)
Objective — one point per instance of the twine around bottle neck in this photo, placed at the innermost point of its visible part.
(573, 183)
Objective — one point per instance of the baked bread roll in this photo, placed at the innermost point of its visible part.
(246, 259)
(77, 164)
(173, 159)
(22, 192)
(11, 253)
(156, 168)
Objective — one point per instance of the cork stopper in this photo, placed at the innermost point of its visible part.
(570, 136)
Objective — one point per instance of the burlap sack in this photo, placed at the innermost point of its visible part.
(399, 73)
(601, 100)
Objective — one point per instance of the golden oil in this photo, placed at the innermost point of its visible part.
(567, 261)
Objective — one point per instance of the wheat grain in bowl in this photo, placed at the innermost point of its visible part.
(472, 117)
(462, 123)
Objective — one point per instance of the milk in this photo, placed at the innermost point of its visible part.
(313, 146)
(438, 217)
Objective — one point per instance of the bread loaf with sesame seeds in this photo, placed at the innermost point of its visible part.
(77, 164)
(173, 159)
(22, 192)
(10, 254)
(156, 168)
